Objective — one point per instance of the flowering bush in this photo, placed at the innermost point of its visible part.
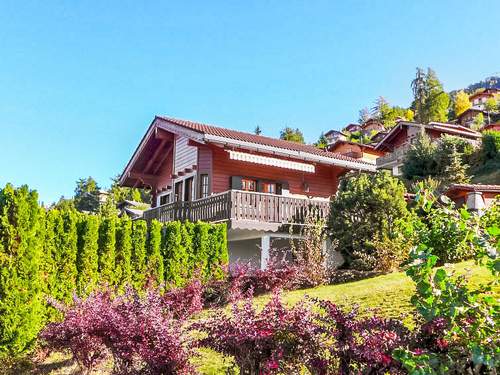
(186, 301)
(139, 334)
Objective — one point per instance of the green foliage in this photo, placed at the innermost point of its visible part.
(87, 261)
(289, 134)
(467, 319)
(258, 130)
(138, 259)
(123, 252)
(176, 255)
(218, 256)
(21, 306)
(456, 171)
(87, 195)
(155, 265)
(120, 193)
(201, 248)
(322, 142)
(366, 207)
(387, 114)
(420, 161)
(430, 102)
(478, 122)
(66, 256)
(107, 242)
(491, 145)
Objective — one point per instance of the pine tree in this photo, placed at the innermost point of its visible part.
(123, 272)
(456, 171)
(138, 261)
(87, 257)
(107, 241)
(176, 256)
(420, 161)
(289, 134)
(322, 142)
(437, 101)
(154, 257)
(66, 255)
(49, 259)
(258, 130)
(21, 306)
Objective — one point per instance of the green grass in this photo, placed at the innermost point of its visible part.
(388, 294)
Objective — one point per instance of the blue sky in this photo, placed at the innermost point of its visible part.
(80, 81)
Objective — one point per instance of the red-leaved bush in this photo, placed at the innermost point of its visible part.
(138, 333)
(277, 339)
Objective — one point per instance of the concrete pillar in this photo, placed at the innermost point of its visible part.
(265, 246)
(475, 201)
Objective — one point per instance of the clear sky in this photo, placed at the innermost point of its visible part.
(80, 81)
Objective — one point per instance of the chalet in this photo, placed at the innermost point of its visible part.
(474, 197)
(333, 136)
(257, 185)
(479, 99)
(400, 138)
(466, 118)
(365, 152)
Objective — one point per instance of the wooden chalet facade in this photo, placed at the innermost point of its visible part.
(253, 183)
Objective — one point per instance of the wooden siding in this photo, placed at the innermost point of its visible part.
(185, 155)
(323, 183)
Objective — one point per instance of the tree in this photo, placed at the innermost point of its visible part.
(364, 115)
(322, 142)
(419, 94)
(462, 103)
(107, 242)
(420, 161)
(120, 193)
(456, 171)
(365, 207)
(123, 253)
(258, 130)
(21, 239)
(478, 122)
(138, 258)
(381, 108)
(87, 261)
(154, 257)
(430, 102)
(289, 134)
(87, 195)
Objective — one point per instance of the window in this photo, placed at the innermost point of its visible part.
(203, 185)
(164, 199)
(248, 185)
(268, 187)
(188, 189)
(178, 191)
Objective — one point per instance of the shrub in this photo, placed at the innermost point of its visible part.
(365, 207)
(123, 268)
(107, 243)
(154, 257)
(140, 334)
(21, 234)
(186, 301)
(87, 257)
(176, 256)
(491, 145)
(138, 258)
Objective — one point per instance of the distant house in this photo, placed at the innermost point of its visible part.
(133, 209)
(367, 153)
(474, 197)
(371, 125)
(479, 99)
(257, 185)
(351, 128)
(333, 136)
(467, 117)
(400, 138)
(495, 127)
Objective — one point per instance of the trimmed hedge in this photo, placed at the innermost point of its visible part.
(62, 252)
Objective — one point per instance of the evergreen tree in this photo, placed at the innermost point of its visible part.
(420, 161)
(364, 115)
(21, 306)
(258, 130)
(176, 255)
(87, 257)
(154, 257)
(107, 242)
(66, 255)
(456, 171)
(478, 122)
(430, 102)
(201, 248)
(123, 271)
(138, 261)
(87, 195)
(289, 134)
(322, 142)
(419, 94)
(49, 259)
(462, 103)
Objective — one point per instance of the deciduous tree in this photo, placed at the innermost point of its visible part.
(289, 134)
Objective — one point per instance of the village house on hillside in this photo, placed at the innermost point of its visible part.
(399, 139)
(253, 183)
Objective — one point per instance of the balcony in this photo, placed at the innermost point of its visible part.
(242, 209)
(392, 157)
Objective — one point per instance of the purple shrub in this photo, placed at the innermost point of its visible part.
(277, 339)
(138, 333)
(186, 301)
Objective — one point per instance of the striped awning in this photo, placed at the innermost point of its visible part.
(272, 162)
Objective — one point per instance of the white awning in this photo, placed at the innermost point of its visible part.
(273, 162)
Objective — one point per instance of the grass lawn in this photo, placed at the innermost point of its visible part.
(389, 295)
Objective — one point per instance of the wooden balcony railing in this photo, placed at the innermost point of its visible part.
(241, 205)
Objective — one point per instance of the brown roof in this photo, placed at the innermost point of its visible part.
(486, 92)
(474, 187)
(256, 139)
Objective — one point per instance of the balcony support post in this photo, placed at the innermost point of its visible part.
(265, 247)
